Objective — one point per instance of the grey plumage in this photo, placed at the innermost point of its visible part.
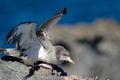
(35, 46)
(36, 39)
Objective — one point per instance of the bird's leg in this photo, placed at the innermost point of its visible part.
(53, 67)
(31, 71)
(58, 69)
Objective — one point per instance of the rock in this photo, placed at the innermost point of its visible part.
(16, 71)
(95, 48)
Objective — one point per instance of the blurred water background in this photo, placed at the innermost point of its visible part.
(90, 31)
(13, 12)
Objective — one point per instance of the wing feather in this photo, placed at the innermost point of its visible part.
(23, 34)
(51, 22)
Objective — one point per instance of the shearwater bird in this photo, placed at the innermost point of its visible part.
(36, 45)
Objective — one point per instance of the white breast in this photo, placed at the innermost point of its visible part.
(47, 55)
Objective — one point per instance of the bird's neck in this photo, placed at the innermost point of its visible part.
(47, 44)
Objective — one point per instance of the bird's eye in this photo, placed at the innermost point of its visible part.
(64, 54)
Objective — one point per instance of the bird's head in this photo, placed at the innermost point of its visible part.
(64, 55)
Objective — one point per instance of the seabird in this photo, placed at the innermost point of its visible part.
(36, 45)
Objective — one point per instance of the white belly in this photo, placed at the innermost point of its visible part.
(47, 56)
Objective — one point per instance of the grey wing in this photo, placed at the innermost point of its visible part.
(51, 22)
(24, 35)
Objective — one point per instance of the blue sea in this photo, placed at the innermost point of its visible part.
(13, 12)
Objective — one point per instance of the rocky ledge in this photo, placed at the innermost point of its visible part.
(16, 71)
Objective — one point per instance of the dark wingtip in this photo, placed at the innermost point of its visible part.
(63, 11)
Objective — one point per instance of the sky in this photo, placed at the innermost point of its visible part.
(13, 12)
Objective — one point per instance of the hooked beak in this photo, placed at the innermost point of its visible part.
(70, 60)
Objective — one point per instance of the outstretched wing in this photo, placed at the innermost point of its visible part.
(50, 22)
(23, 35)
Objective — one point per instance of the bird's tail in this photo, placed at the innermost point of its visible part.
(14, 55)
(10, 51)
